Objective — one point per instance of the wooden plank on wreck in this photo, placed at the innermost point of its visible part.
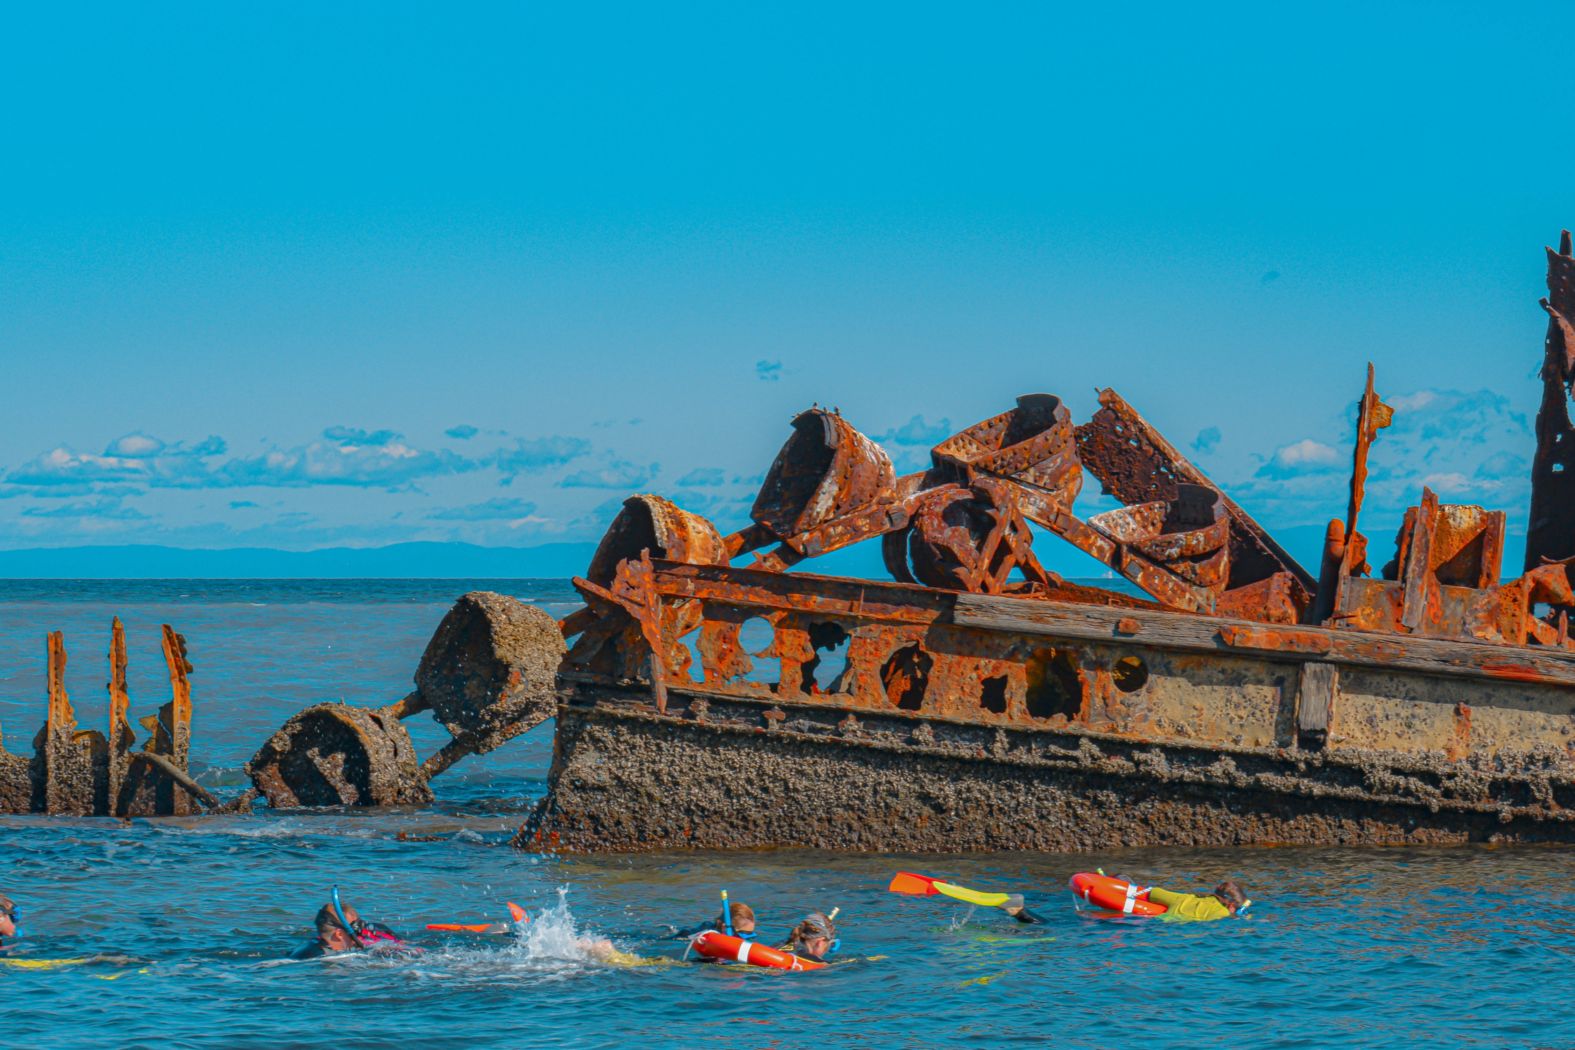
(1315, 699)
(1212, 634)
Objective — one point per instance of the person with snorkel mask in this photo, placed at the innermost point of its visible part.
(1226, 900)
(340, 930)
(9, 916)
(814, 938)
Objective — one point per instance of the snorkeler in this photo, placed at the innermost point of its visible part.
(340, 930)
(1226, 900)
(10, 914)
(742, 917)
(814, 938)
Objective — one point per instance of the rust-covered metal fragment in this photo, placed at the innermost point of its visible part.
(1033, 443)
(826, 469)
(1134, 463)
(1345, 549)
(81, 772)
(339, 755)
(655, 524)
(1550, 531)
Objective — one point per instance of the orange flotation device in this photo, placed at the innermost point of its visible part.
(720, 946)
(1113, 896)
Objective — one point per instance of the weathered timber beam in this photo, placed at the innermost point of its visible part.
(1170, 630)
(834, 595)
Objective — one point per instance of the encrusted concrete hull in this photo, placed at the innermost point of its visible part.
(710, 774)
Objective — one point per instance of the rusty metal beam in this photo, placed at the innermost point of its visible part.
(1135, 463)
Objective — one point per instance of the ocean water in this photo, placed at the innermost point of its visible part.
(192, 917)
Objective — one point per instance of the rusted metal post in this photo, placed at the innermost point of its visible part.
(68, 783)
(1371, 417)
(176, 719)
(120, 735)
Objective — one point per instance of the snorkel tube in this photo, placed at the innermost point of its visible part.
(339, 913)
(727, 915)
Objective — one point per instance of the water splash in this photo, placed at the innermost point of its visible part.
(552, 936)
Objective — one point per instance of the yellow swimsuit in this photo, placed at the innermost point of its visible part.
(1189, 907)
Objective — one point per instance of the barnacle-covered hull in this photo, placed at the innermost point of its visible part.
(1111, 726)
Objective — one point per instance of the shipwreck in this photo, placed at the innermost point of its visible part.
(976, 700)
(985, 703)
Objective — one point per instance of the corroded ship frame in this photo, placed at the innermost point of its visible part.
(987, 704)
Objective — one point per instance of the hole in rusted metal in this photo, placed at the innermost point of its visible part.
(992, 694)
(1130, 674)
(904, 675)
(1054, 686)
(831, 668)
(756, 635)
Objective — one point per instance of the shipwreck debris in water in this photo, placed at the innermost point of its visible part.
(978, 700)
(487, 676)
(78, 772)
(984, 702)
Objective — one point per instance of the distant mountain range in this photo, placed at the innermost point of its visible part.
(396, 561)
(547, 561)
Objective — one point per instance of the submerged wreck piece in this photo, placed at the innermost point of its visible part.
(76, 772)
(980, 702)
(486, 675)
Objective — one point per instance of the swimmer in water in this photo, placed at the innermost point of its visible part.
(9, 916)
(1226, 900)
(743, 923)
(335, 938)
(814, 938)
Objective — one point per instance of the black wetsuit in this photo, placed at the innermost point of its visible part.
(1025, 916)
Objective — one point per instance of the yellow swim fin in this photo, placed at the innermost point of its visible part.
(979, 897)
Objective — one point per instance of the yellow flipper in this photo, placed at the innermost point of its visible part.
(44, 964)
(963, 893)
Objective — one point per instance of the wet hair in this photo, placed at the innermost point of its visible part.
(738, 912)
(815, 924)
(327, 921)
(8, 906)
(1230, 894)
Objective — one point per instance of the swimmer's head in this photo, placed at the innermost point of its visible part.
(10, 914)
(331, 933)
(743, 917)
(1230, 894)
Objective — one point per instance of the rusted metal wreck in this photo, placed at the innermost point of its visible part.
(977, 701)
(985, 703)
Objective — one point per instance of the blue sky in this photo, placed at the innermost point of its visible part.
(308, 275)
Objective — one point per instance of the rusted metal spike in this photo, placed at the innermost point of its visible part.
(120, 735)
(176, 718)
(1372, 416)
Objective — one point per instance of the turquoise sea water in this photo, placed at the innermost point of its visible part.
(1346, 948)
